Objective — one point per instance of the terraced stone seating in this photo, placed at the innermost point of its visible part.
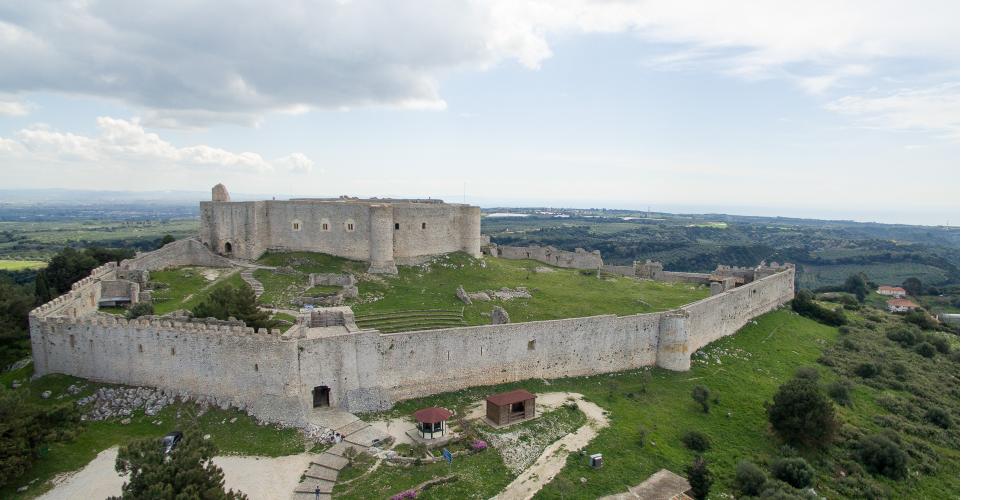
(401, 321)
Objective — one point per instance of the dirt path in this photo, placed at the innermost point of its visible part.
(553, 459)
(263, 478)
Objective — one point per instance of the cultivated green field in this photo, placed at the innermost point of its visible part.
(17, 265)
(41, 240)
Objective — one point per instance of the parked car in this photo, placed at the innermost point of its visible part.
(170, 441)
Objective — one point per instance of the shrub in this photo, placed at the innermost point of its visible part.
(749, 479)
(478, 445)
(922, 319)
(701, 395)
(804, 305)
(904, 335)
(696, 441)
(187, 472)
(926, 349)
(700, 478)
(940, 343)
(139, 309)
(840, 391)
(807, 373)
(938, 417)
(801, 413)
(880, 455)
(867, 370)
(794, 471)
(405, 495)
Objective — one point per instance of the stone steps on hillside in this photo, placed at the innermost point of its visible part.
(309, 486)
(330, 461)
(341, 447)
(257, 286)
(317, 471)
(351, 428)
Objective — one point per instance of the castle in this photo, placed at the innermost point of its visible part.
(383, 232)
(325, 359)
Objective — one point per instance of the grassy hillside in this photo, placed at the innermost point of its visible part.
(743, 372)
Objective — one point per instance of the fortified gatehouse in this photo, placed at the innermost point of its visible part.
(383, 232)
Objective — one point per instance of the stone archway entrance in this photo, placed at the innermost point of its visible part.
(229, 248)
(321, 396)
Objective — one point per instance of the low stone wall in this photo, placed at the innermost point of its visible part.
(186, 252)
(676, 277)
(578, 259)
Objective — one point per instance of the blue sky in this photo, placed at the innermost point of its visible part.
(847, 111)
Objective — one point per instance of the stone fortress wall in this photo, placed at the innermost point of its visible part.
(272, 375)
(383, 232)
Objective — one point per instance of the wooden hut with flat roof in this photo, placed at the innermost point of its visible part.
(510, 407)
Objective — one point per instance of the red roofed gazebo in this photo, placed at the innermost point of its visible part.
(432, 422)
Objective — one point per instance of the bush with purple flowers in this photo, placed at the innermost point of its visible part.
(405, 495)
(478, 445)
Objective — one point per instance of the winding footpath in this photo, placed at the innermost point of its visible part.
(553, 459)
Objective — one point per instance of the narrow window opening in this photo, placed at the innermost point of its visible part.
(423, 225)
(480, 350)
(531, 345)
(173, 351)
(350, 227)
(326, 227)
(295, 226)
(72, 341)
(255, 368)
(140, 347)
(397, 225)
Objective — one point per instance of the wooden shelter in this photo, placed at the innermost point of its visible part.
(510, 407)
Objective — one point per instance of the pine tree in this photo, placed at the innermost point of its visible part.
(186, 473)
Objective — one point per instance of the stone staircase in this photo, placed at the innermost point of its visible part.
(258, 287)
(324, 469)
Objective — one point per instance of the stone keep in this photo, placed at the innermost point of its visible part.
(383, 232)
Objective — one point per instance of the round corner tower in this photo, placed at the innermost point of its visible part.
(381, 255)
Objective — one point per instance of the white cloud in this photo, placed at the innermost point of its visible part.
(933, 109)
(123, 142)
(13, 108)
(187, 64)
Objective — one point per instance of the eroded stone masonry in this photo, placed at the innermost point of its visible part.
(325, 358)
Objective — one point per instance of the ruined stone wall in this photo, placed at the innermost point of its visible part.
(578, 259)
(186, 252)
(619, 270)
(677, 277)
(83, 297)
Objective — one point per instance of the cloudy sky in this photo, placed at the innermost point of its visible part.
(816, 109)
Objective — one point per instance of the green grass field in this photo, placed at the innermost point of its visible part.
(187, 286)
(242, 437)
(743, 371)
(18, 265)
(555, 293)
